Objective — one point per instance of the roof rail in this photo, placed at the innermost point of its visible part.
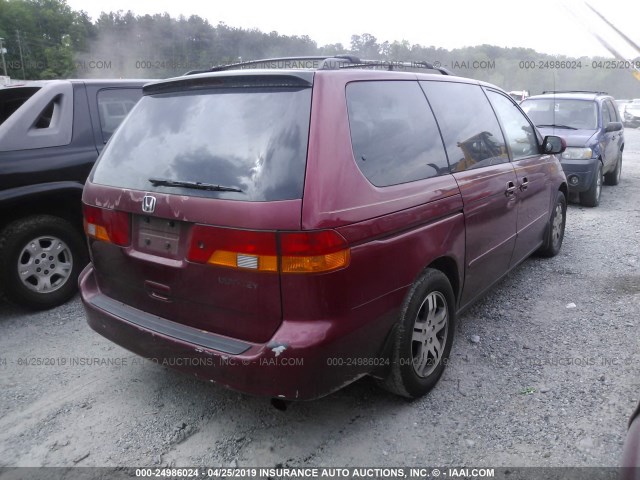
(331, 62)
(574, 91)
(394, 65)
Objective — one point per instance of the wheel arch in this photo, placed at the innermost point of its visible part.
(565, 190)
(62, 200)
(449, 267)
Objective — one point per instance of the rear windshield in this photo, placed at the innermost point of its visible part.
(12, 98)
(248, 139)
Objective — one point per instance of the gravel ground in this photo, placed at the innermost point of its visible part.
(544, 372)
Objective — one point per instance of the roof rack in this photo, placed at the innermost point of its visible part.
(332, 62)
(393, 65)
(574, 91)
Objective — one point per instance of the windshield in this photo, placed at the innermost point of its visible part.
(252, 140)
(578, 114)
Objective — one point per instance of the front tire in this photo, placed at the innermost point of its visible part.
(555, 229)
(424, 337)
(591, 198)
(41, 258)
(613, 178)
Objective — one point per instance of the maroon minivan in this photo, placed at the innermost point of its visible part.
(287, 232)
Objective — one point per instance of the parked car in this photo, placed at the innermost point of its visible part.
(286, 232)
(519, 95)
(632, 113)
(51, 133)
(631, 454)
(621, 103)
(592, 128)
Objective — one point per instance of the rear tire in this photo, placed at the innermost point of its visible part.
(41, 258)
(591, 198)
(555, 229)
(424, 336)
(613, 177)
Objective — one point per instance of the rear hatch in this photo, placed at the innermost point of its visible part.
(184, 203)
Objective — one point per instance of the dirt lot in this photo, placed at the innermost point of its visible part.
(545, 384)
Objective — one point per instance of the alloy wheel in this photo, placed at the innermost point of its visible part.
(430, 332)
(45, 264)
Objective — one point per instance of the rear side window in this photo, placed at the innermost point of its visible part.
(469, 127)
(248, 139)
(113, 105)
(394, 136)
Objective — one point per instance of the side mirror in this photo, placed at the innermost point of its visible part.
(613, 127)
(553, 144)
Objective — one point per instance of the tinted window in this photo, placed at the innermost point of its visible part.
(469, 127)
(12, 98)
(606, 114)
(44, 120)
(580, 114)
(517, 129)
(247, 138)
(113, 106)
(394, 136)
(613, 112)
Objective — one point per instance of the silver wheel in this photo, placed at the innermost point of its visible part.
(45, 264)
(430, 331)
(557, 226)
(598, 184)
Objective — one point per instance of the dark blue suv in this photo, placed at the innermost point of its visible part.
(592, 127)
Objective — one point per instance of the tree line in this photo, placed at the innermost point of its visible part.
(48, 39)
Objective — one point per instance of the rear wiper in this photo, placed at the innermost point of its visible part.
(558, 126)
(195, 185)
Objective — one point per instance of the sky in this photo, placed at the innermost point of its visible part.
(555, 27)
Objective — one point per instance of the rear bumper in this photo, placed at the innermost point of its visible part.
(581, 172)
(303, 360)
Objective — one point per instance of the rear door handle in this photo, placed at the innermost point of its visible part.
(525, 184)
(511, 189)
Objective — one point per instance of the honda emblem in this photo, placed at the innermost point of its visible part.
(148, 204)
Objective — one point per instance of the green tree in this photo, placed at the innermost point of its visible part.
(41, 37)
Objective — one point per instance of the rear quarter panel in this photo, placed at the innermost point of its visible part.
(394, 232)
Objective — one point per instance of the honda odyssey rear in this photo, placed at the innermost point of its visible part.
(284, 233)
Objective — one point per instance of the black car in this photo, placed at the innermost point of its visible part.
(51, 133)
(591, 125)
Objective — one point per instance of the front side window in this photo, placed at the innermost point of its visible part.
(394, 136)
(469, 127)
(519, 132)
(613, 112)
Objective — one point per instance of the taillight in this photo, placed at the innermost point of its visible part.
(300, 252)
(106, 225)
(320, 251)
(234, 248)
